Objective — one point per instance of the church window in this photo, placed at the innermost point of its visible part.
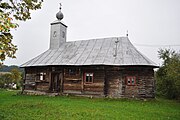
(131, 80)
(88, 77)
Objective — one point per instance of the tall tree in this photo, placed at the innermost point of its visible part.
(11, 10)
(168, 75)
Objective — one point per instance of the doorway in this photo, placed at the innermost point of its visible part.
(56, 82)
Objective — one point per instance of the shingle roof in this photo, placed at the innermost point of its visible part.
(105, 51)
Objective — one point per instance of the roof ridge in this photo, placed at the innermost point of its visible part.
(107, 38)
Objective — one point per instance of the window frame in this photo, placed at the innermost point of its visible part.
(42, 76)
(130, 79)
(73, 71)
(85, 75)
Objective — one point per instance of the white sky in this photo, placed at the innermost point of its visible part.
(149, 22)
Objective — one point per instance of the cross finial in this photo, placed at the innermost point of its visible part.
(127, 33)
(60, 6)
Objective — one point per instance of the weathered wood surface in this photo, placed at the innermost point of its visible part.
(108, 81)
(42, 86)
(144, 87)
(98, 82)
(72, 82)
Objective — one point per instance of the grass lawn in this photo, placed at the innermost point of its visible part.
(23, 107)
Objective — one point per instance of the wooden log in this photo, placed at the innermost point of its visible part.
(94, 89)
(94, 85)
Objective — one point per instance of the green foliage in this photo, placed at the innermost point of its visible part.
(22, 107)
(16, 76)
(7, 78)
(11, 10)
(5, 68)
(168, 75)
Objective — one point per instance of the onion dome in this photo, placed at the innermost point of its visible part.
(59, 15)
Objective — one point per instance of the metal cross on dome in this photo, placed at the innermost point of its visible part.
(60, 6)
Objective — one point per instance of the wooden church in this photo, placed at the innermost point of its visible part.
(107, 67)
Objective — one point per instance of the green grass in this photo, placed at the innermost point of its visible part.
(23, 107)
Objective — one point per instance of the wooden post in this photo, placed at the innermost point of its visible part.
(105, 83)
(82, 80)
(49, 77)
(24, 78)
(62, 81)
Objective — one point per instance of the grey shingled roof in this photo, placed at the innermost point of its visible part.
(92, 52)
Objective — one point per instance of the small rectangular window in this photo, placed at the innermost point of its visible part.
(42, 76)
(73, 71)
(88, 77)
(131, 80)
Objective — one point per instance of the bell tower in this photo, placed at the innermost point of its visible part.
(58, 31)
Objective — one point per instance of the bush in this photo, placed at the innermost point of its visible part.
(168, 75)
(5, 80)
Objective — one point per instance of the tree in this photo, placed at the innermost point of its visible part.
(11, 10)
(9, 78)
(5, 80)
(168, 75)
(16, 76)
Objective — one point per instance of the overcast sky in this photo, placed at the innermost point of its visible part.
(149, 22)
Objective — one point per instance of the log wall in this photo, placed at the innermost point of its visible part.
(144, 87)
(97, 86)
(72, 82)
(107, 81)
(114, 83)
(32, 79)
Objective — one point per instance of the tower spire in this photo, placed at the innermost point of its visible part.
(58, 31)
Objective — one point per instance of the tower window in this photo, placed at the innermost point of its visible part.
(54, 34)
(63, 34)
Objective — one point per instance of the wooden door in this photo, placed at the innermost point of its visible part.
(56, 80)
